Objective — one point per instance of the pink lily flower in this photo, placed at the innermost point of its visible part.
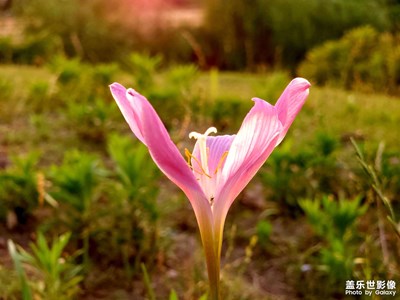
(219, 167)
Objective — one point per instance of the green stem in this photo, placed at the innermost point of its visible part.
(213, 273)
(205, 220)
(212, 260)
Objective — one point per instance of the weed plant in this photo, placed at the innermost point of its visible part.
(90, 120)
(53, 276)
(10, 287)
(19, 195)
(135, 233)
(334, 222)
(108, 192)
(76, 189)
(363, 59)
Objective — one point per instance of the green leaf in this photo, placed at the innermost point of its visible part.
(147, 282)
(26, 291)
(204, 297)
(173, 295)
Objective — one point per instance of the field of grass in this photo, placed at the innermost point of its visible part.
(273, 247)
(335, 111)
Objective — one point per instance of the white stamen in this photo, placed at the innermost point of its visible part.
(202, 144)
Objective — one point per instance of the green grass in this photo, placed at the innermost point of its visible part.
(371, 117)
(23, 75)
(340, 113)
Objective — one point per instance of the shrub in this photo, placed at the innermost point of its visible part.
(144, 68)
(82, 27)
(239, 28)
(170, 90)
(132, 232)
(19, 195)
(281, 176)
(39, 96)
(272, 85)
(103, 74)
(76, 188)
(362, 58)
(33, 49)
(81, 82)
(334, 221)
(91, 120)
(52, 275)
(224, 108)
(310, 171)
(67, 70)
(281, 31)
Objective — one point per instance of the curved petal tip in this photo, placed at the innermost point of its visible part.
(290, 102)
(301, 83)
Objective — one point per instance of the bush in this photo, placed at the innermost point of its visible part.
(247, 33)
(334, 221)
(52, 275)
(33, 49)
(91, 121)
(76, 188)
(224, 107)
(82, 27)
(80, 82)
(298, 26)
(170, 90)
(362, 58)
(311, 171)
(127, 232)
(19, 194)
(271, 87)
(241, 32)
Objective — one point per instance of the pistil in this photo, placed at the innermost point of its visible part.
(202, 144)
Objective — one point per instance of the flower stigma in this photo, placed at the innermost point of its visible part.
(208, 179)
(202, 140)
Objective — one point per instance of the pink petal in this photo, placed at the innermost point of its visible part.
(126, 107)
(217, 146)
(147, 126)
(250, 148)
(290, 103)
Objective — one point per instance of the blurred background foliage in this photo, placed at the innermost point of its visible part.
(85, 213)
(238, 35)
(307, 37)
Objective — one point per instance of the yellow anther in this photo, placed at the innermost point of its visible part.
(189, 157)
(221, 161)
